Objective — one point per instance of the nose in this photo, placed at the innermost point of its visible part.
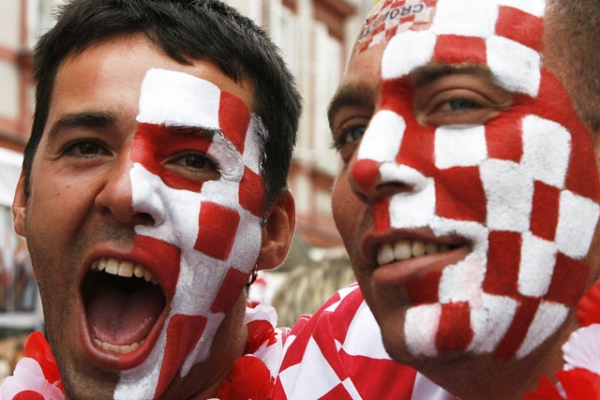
(117, 197)
(375, 171)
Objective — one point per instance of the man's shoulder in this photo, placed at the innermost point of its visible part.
(338, 353)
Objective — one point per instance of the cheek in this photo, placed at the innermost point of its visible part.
(348, 214)
(340, 203)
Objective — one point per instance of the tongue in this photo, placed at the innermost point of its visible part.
(122, 318)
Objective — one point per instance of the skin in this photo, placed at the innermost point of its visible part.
(80, 207)
(387, 288)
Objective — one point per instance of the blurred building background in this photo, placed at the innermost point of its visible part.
(315, 37)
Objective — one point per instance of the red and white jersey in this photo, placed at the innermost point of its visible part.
(337, 354)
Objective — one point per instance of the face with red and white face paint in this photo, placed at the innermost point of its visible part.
(468, 198)
(213, 225)
(144, 221)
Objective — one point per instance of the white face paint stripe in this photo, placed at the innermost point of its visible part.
(383, 137)
(252, 147)
(491, 322)
(405, 52)
(515, 66)
(227, 157)
(546, 150)
(460, 146)
(462, 281)
(413, 210)
(180, 99)
(538, 257)
(577, 219)
(451, 18)
(548, 318)
(420, 328)
(509, 195)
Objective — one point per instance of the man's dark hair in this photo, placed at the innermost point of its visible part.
(186, 30)
(571, 48)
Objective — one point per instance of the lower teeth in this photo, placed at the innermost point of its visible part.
(116, 348)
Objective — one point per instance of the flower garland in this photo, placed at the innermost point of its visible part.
(580, 378)
(36, 376)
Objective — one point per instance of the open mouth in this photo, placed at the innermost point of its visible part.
(405, 248)
(122, 302)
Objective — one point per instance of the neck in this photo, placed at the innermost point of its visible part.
(487, 378)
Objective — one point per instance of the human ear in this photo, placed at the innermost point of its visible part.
(19, 206)
(278, 231)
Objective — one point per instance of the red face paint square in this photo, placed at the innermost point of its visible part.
(544, 213)
(251, 195)
(528, 31)
(504, 257)
(460, 195)
(218, 228)
(234, 281)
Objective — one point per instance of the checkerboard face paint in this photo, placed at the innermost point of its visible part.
(207, 227)
(516, 192)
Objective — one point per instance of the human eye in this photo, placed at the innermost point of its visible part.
(347, 139)
(85, 148)
(461, 104)
(194, 166)
(460, 100)
(349, 135)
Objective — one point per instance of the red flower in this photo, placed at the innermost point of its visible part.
(28, 395)
(546, 391)
(249, 379)
(259, 332)
(38, 348)
(578, 384)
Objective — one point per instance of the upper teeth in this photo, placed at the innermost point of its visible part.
(405, 249)
(123, 268)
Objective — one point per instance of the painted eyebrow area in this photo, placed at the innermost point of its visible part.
(192, 131)
(87, 119)
(354, 95)
(428, 73)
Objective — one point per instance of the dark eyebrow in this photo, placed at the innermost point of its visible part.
(192, 131)
(88, 119)
(431, 72)
(358, 95)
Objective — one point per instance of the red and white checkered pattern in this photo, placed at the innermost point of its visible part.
(338, 354)
(391, 17)
(523, 187)
(215, 224)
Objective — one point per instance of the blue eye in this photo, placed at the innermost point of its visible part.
(355, 133)
(460, 104)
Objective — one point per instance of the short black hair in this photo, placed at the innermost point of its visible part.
(186, 30)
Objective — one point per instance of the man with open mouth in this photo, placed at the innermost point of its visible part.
(468, 203)
(153, 188)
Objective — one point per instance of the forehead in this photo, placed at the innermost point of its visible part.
(504, 36)
(461, 17)
(108, 77)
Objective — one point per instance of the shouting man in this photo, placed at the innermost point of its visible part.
(153, 188)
